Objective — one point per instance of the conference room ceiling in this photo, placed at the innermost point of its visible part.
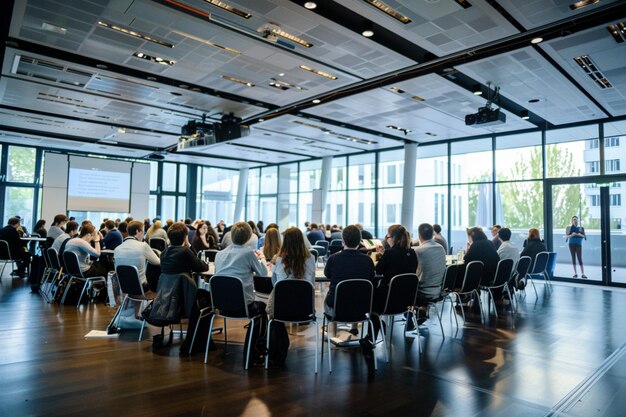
(69, 75)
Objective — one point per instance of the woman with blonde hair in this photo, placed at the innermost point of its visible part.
(156, 230)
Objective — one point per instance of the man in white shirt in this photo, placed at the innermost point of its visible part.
(83, 249)
(507, 249)
(135, 252)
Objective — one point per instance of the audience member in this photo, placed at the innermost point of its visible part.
(202, 239)
(439, 238)
(315, 234)
(507, 249)
(123, 229)
(272, 244)
(211, 232)
(494, 234)
(82, 248)
(113, 236)
(178, 258)
(56, 229)
(335, 232)
(17, 250)
(262, 238)
(135, 252)
(534, 245)
(293, 261)
(40, 228)
(259, 226)
(480, 249)
(254, 238)
(71, 229)
(431, 264)
(156, 230)
(364, 233)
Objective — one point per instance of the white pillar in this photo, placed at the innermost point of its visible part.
(241, 195)
(321, 196)
(284, 177)
(408, 186)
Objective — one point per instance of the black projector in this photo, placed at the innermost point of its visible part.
(485, 117)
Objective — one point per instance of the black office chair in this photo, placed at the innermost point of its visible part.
(540, 267)
(130, 285)
(521, 274)
(5, 257)
(353, 304)
(336, 245)
(294, 302)
(158, 243)
(501, 279)
(229, 302)
(471, 282)
(76, 274)
(400, 299)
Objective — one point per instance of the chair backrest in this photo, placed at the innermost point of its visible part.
(353, 300)
(336, 245)
(449, 280)
(503, 272)
(294, 300)
(53, 257)
(323, 243)
(541, 263)
(401, 294)
(263, 285)
(72, 266)
(473, 274)
(210, 254)
(321, 250)
(523, 266)
(128, 277)
(158, 243)
(336, 242)
(314, 252)
(5, 252)
(551, 263)
(227, 296)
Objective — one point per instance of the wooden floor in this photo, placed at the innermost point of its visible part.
(551, 360)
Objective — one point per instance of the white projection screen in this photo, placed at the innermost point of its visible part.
(95, 184)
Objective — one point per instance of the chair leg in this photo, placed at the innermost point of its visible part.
(330, 359)
(492, 301)
(67, 288)
(225, 335)
(267, 344)
(439, 318)
(532, 281)
(317, 342)
(323, 334)
(371, 327)
(381, 331)
(249, 343)
(208, 340)
(414, 317)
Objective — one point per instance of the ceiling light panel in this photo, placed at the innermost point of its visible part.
(225, 6)
(318, 72)
(134, 33)
(155, 59)
(618, 32)
(207, 42)
(592, 71)
(237, 80)
(385, 8)
(583, 3)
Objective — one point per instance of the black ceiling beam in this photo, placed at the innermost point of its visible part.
(6, 13)
(131, 72)
(555, 30)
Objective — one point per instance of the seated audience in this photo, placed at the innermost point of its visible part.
(17, 248)
(156, 230)
(178, 257)
(364, 233)
(123, 229)
(83, 249)
(534, 245)
(480, 249)
(398, 259)
(439, 238)
(494, 234)
(135, 252)
(335, 232)
(56, 229)
(254, 238)
(211, 232)
(202, 239)
(431, 264)
(262, 238)
(40, 228)
(71, 229)
(293, 261)
(315, 234)
(272, 244)
(507, 249)
(113, 237)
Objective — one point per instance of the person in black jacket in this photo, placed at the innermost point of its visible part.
(480, 249)
(17, 250)
(534, 245)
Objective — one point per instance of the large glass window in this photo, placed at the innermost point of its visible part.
(169, 177)
(362, 171)
(269, 180)
(432, 165)
(218, 194)
(19, 201)
(518, 157)
(310, 175)
(570, 152)
(22, 163)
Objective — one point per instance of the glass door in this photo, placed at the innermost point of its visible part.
(587, 229)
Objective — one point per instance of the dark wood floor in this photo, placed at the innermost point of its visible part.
(525, 367)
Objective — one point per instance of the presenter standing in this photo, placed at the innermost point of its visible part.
(575, 235)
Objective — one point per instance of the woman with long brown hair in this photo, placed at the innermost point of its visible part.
(271, 245)
(294, 261)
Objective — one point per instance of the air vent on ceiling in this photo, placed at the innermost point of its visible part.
(592, 71)
(51, 71)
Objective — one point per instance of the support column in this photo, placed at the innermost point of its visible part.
(240, 203)
(284, 177)
(321, 196)
(408, 186)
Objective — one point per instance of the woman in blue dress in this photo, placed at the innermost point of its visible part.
(575, 235)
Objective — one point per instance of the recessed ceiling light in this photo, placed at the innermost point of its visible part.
(154, 59)
(310, 5)
(318, 72)
(534, 100)
(618, 32)
(229, 8)
(53, 28)
(183, 86)
(401, 129)
(261, 120)
(524, 115)
(271, 31)
(175, 93)
(368, 33)
(316, 101)
(237, 80)
(209, 43)
(582, 3)
(151, 79)
(101, 66)
(477, 90)
(389, 10)
(134, 33)
(282, 74)
(592, 71)
(535, 41)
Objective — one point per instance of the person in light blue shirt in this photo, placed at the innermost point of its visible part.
(575, 235)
